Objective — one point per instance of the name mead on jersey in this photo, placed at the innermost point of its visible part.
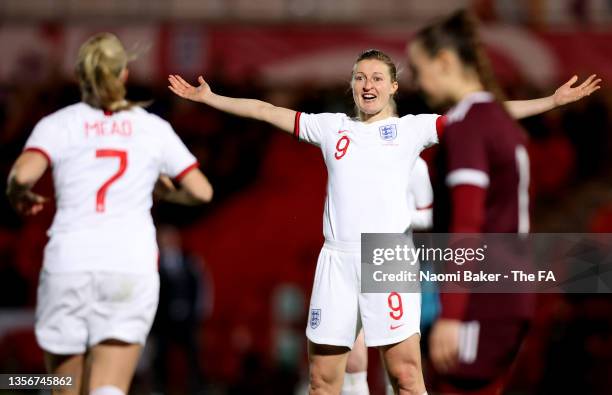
(104, 128)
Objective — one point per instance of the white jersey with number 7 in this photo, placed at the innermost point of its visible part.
(105, 166)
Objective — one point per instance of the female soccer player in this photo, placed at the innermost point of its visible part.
(420, 199)
(480, 186)
(99, 284)
(367, 160)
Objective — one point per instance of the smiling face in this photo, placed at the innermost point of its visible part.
(373, 88)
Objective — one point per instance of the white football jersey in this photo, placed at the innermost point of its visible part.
(104, 169)
(420, 196)
(421, 192)
(369, 166)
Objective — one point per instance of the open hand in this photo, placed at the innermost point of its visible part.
(566, 94)
(185, 90)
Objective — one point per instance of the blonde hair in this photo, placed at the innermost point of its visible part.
(101, 60)
(381, 56)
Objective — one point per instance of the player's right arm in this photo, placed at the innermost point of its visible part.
(280, 117)
(43, 148)
(26, 171)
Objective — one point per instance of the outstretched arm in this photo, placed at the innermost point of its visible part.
(563, 95)
(280, 117)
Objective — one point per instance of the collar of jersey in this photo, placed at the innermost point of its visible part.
(458, 112)
(388, 119)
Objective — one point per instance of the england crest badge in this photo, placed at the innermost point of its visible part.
(315, 318)
(388, 132)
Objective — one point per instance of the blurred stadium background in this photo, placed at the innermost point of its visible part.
(259, 240)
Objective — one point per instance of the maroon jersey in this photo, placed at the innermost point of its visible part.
(483, 146)
(481, 186)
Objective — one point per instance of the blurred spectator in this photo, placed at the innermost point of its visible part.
(579, 10)
(185, 301)
(288, 315)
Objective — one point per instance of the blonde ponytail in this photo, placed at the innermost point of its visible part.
(101, 61)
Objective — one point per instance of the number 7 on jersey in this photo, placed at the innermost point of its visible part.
(123, 161)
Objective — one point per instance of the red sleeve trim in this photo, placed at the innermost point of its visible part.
(425, 207)
(296, 125)
(40, 151)
(182, 174)
(441, 125)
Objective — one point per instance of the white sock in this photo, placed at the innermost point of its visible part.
(107, 390)
(355, 384)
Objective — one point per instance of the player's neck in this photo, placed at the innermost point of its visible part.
(464, 88)
(385, 113)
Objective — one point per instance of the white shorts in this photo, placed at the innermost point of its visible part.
(338, 309)
(75, 311)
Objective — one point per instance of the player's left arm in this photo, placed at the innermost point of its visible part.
(24, 174)
(565, 94)
(468, 202)
(468, 182)
(194, 189)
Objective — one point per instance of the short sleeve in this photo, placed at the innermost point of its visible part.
(427, 128)
(46, 139)
(420, 185)
(465, 147)
(312, 128)
(177, 161)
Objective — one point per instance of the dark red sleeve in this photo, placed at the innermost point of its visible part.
(454, 305)
(468, 206)
(440, 125)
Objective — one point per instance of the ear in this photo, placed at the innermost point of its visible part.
(394, 87)
(124, 75)
(447, 60)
